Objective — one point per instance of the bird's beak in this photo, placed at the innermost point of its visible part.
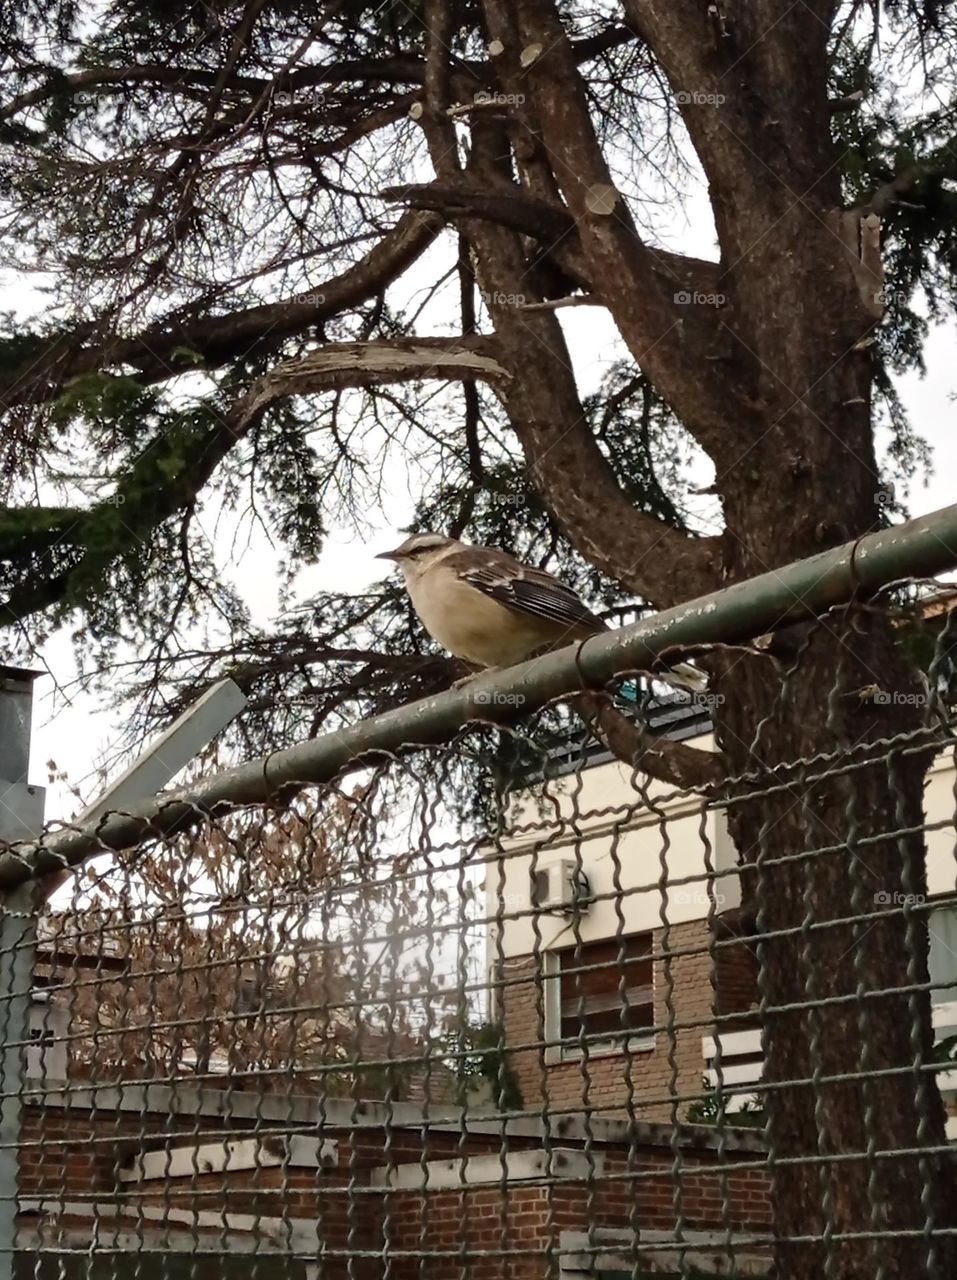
(388, 555)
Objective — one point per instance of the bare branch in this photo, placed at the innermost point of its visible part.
(509, 206)
(852, 102)
(555, 304)
(675, 763)
(398, 70)
(365, 364)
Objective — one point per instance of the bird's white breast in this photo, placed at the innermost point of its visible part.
(472, 625)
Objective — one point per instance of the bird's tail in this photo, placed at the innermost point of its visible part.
(685, 676)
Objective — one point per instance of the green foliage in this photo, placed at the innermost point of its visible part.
(21, 526)
(104, 403)
(710, 1110)
(930, 646)
(481, 1055)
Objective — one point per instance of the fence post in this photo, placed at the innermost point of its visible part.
(21, 818)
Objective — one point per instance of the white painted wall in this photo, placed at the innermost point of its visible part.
(659, 850)
(940, 812)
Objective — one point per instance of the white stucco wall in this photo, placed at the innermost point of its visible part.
(659, 851)
(940, 808)
(597, 816)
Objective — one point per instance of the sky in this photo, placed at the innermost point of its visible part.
(79, 733)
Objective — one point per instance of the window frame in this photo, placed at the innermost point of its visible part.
(557, 1052)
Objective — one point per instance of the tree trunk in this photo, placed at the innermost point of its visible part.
(829, 845)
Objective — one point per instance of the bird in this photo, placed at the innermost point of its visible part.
(491, 610)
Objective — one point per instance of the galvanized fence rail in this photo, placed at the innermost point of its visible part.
(457, 993)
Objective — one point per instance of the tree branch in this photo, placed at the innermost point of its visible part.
(675, 763)
(172, 346)
(158, 485)
(735, 93)
(619, 266)
(852, 102)
(941, 162)
(510, 207)
(398, 70)
(366, 364)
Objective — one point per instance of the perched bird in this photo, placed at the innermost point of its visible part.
(488, 608)
(484, 605)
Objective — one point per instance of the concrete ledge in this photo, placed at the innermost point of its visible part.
(192, 1159)
(707, 1254)
(519, 1167)
(652, 1134)
(122, 1227)
(257, 1108)
(340, 1113)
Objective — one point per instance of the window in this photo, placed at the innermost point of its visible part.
(602, 990)
(942, 961)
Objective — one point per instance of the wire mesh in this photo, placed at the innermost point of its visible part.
(509, 1006)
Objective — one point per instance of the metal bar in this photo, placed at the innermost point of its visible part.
(160, 762)
(21, 814)
(18, 935)
(921, 547)
(171, 751)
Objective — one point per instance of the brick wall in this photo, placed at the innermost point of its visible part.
(515, 1231)
(495, 1230)
(641, 1080)
(64, 1151)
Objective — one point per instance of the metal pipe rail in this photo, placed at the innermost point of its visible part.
(917, 548)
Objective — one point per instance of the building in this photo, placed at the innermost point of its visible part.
(625, 979)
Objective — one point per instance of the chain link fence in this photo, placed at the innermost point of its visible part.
(506, 1006)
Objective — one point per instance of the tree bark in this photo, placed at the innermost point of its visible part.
(824, 848)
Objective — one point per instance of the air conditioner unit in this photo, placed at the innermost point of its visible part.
(561, 886)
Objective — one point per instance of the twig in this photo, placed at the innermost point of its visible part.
(552, 304)
(849, 103)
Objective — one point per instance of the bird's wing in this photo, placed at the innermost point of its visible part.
(522, 587)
